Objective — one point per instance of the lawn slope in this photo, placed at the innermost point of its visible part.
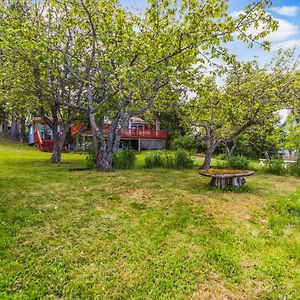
(142, 234)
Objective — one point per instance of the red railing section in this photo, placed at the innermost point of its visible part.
(131, 133)
(38, 140)
(48, 145)
(44, 145)
(144, 134)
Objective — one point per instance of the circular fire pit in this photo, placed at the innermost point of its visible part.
(222, 178)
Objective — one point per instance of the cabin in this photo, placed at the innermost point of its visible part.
(138, 135)
(41, 136)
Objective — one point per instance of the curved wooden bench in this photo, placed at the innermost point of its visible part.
(227, 178)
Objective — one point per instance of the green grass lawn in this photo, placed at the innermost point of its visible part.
(142, 234)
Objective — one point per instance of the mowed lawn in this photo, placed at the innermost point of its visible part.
(142, 234)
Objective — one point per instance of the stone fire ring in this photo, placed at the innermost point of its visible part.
(226, 178)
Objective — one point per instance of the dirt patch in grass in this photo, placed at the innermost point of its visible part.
(216, 288)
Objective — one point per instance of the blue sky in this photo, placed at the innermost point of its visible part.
(287, 12)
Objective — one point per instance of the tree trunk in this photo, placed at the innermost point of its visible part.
(105, 154)
(104, 161)
(208, 157)
(105, 146)
(57, 148)
(5, 126)
(59, 142)
(23, 130)
(14, 128)
(230, 148)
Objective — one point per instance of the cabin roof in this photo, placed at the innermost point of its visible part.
(138, 120)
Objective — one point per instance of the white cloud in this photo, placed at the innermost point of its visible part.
(236, 14)
(286, 45)
(290, 11)
(285, 30)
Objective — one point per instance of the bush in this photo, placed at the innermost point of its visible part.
(237, 162)
(90, 157)
(294, 169)
(187, 142)
(168, 161)
(275, 167)
(222, 156)
(181, 160)
(154, 160)
(124, 159)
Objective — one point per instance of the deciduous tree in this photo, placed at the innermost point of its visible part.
(250, 98)
(123, 61)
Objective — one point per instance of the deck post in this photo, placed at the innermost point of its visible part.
(83, 143)
(77, 143)
(139, 145)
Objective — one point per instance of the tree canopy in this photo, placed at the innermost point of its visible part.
(250, 97)
(103, 60)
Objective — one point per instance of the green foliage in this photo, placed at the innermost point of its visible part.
(154, 160)
(249, 100)
(181, 159)
(59, 48)
(222, 157)
(124, 159)
(90, 157)
(168, 161)
(276, 167)
(259, 140)
(294, 168)
(237, 162)
(187, 142)
(290, 134)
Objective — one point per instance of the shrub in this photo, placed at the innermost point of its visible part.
(124, 159)
(222, 156)
(275, 167)
(168, 161)
(237, 162)
(294, 169)
(183, 160)
(187, 142)
(154, 160)
(90, 157)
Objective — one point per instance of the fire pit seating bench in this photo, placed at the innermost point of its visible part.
(222, 178)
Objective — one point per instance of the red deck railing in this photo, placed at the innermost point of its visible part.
(38, 140)
(48, 145)
(144, 134)
(128, 133)
(137, 133)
